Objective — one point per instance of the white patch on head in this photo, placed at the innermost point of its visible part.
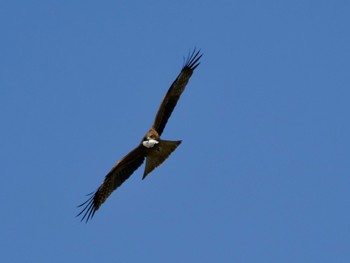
(149, 143)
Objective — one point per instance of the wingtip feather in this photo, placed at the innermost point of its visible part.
(89, 209)
(193, 58)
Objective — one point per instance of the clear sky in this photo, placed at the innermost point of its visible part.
(262, 174)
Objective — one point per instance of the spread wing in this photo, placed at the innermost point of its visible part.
(175, 91)
(119, 173)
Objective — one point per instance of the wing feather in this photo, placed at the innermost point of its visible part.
(119, 173)
(172, 96)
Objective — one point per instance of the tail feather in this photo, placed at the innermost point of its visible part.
(159, 155)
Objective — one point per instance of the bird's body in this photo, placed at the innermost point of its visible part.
(152, 147)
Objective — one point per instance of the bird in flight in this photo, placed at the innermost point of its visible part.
(152, 147)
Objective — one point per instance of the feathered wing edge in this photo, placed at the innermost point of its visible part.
(192, 59)
(174, 92)
(118, 175)
(89, 207)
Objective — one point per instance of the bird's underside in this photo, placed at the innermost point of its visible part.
(152, 147)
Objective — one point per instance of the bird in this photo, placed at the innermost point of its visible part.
(152, 148)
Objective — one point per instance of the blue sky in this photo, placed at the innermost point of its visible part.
(262, 174)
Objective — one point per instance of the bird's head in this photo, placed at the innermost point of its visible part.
(151, 138)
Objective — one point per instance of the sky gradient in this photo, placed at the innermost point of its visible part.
(262, 174)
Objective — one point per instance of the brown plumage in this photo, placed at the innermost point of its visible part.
(151, 147)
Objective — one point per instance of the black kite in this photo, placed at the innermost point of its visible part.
(151, 147)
